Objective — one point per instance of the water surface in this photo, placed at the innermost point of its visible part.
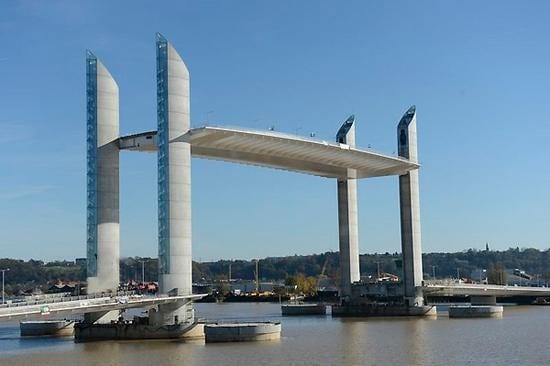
(519, 338)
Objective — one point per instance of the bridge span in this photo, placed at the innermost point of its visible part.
(467, 289)
(77, 305)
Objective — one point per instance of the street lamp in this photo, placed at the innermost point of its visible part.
(143, 268)
(3, 292)
(481, 271)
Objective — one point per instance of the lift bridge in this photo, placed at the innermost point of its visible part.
(175, 142)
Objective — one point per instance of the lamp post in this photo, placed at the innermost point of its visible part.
(142, 261)
(3, 292)
(481, 271)
(142, 271)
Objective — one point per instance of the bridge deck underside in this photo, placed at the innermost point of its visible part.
(280, 151)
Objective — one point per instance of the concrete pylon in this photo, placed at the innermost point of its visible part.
(103, 225)
(347, 217)
(409, 200)
(174, 181)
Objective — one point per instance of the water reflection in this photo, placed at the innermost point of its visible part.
(152, 352)
(354, 334)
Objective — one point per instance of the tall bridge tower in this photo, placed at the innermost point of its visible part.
(348, 231)
(409, 203)
(174, 182)
(102, 177)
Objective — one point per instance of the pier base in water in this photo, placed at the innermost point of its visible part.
(475, 311)
(52, 328)
(128, 331)
(381, 310)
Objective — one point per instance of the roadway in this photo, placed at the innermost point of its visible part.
(77, 305)
(467, 289)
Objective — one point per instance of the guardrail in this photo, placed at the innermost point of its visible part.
(60, 299)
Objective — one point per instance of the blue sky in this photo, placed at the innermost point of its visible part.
(477, 72)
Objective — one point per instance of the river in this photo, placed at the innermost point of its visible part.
(520, 337)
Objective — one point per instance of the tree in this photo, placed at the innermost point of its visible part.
(304, 285)
(222, 290)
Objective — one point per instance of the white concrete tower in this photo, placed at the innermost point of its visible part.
(174, 180)
(103, 228)
(347, 217)
(409, 199)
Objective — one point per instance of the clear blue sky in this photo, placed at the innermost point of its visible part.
(477, 71)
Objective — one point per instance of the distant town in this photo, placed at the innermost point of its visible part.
(314, 276)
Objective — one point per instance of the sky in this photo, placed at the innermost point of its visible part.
(477, 72)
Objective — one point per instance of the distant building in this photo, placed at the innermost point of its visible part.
(80, 262)
(249, 286)
(72, 287)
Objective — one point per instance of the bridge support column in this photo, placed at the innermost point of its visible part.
(103, 232)
(409, 199)
(347, 218)
(483, 300)
(174, 182)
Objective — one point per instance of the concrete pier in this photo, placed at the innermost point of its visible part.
(409, 200)
(347, 217)
(381, 310)
(132, 330)
(51, 328)
(242, 332)
(304, 309)
(475, 311)
(483, 300)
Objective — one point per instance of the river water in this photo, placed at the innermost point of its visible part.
(520, 337)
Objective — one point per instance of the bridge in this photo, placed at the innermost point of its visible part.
(485, 290)
(63, 306)
(279, 151)
(484, 294)
(175, 143)
(477, 294)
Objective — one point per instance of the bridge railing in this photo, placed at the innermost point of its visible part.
(63, 298)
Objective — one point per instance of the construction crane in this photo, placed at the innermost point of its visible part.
(322, 274)
(256, 275)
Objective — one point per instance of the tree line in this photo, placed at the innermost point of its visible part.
(37, 274)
